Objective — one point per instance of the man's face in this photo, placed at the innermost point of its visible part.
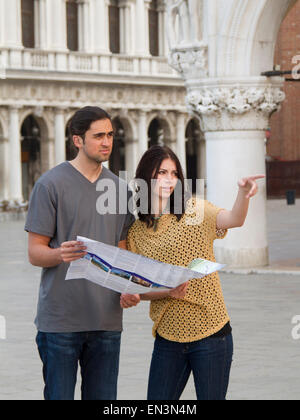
(98, 141)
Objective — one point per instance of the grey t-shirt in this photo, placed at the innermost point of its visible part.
(62, 206)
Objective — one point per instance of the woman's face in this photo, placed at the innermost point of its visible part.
(166, 179)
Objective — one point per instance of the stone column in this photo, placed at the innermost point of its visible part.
(125, 27)
(131, 157)
(15, 167)
(99, 26)
(143, 135)
(10, 35)
(4, 169)
(84, 26)
(162, 28)
(12, 23)
(57, 25)
(234, 118)
(59, 136)
(142, 27)
(40, 21)
(47, 154)
(180, 141)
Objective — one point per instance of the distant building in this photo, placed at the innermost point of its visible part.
(59, 55)
(284, 143)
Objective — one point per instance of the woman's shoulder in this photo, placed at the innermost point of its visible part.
(137, 226)
(198, 204)
(195, 209)
(198, 210)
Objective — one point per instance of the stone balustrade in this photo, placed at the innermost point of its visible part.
(79, 62)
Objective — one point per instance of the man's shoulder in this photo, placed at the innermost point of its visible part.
(55, 175)
(108, 174)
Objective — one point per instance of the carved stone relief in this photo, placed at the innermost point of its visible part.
(184, 22)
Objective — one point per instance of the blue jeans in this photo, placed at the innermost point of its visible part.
(98, 354)
(209, 360)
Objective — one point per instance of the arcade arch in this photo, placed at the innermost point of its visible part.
(159, 132)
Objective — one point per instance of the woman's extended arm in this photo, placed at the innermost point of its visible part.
(236, 217)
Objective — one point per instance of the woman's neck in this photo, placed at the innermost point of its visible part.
(158, 206)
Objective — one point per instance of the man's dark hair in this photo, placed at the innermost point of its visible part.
(81, 121)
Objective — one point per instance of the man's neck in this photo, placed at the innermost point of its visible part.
(89, 169)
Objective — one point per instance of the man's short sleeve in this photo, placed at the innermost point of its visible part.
(41, 217)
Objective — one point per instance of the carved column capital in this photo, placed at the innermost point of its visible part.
(235, 107)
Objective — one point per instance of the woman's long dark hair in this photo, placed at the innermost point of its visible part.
(147, 170)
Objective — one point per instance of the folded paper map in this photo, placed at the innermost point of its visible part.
(126, 272)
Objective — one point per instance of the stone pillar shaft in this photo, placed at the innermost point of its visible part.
(131, 158)
(142, 130)
(4, 169)
(60, 144)
(180, 142)
(15, 170)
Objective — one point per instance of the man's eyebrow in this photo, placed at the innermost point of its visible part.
(102, 133)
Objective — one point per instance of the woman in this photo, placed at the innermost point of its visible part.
(191, 325)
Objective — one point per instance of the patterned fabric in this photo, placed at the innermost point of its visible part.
(202, 312)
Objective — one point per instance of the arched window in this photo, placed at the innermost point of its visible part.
(153, 29)
(27, 10)
(114, 27)
(155, 133)
(31, 154)
(72, 25)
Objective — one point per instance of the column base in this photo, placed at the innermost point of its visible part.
(242, 258)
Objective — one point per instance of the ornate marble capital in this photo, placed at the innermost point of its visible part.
(234, 107)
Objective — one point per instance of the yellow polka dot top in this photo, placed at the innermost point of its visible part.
(202, 312)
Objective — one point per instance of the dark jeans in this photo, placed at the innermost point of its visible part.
(209, 360)
(98, 354)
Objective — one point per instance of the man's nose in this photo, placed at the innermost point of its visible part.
(106, 141)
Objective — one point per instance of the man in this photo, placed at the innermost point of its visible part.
(77, 321)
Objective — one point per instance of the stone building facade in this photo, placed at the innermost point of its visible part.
(59, 55)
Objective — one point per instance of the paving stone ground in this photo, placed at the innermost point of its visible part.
(262, 306)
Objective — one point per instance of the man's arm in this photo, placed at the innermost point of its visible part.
(41, 255)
